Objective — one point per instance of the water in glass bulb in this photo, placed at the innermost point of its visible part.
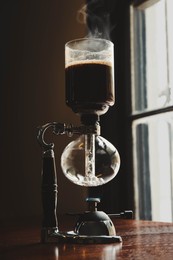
(90, 160)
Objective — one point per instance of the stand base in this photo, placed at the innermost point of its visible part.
(54, 236)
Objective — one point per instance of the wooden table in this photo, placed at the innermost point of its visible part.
(141, 240)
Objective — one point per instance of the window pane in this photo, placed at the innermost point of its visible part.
(153, 167)
(152, 57)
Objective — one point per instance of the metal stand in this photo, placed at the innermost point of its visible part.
(50, 231)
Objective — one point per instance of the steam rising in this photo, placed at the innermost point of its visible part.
(97, 19)
(96, 46)
(81, 15)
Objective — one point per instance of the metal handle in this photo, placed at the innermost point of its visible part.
(49, 190)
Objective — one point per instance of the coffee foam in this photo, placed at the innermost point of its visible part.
(82, 62)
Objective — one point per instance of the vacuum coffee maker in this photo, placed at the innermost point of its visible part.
(90, 160)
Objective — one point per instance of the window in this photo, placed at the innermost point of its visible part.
(140, 125)
(152, 108)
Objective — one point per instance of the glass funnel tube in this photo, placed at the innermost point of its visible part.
(89, 156)
(90, 178)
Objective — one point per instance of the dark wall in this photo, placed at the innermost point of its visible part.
(32, 38)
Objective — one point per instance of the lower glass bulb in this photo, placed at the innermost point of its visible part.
(90, 161)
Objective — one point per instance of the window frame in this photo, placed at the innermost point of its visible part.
(144, 114)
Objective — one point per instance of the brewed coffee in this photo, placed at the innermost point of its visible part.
(89, 86)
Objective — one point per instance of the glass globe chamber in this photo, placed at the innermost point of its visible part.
(90, 160)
